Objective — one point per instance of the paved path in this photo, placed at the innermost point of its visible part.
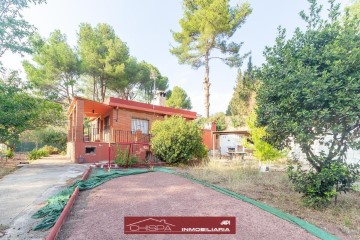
(26, 190)
(99, 213)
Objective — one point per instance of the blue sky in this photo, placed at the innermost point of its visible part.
(145, 27)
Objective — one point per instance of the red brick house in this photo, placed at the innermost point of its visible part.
(97, 129)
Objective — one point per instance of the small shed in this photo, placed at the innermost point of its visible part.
(230, 139)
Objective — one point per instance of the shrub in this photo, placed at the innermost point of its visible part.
(36, 154)
(122, 158)
(50, 149)
(33, 155)
(318, 188)
(176, 140)
(9, 153)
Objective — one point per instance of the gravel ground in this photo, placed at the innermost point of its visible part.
(99, 213)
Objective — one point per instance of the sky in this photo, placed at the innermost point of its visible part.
(146, 27)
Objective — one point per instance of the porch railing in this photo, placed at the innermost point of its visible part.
(117, 136)
(91, 134)
(120, 136)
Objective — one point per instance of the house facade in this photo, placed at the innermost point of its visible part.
(97, 130)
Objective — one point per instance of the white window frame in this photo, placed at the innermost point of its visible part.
(142, 124)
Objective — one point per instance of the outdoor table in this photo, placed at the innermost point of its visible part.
(235, 154)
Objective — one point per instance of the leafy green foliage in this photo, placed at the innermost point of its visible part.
(53, 137)
(20, 111)
(123, 158)
(310, 92)
(9, 153)
(176, 140)
(218, 118)
(262, 149)
(103, 56)
(354, 9)
(242, 101)
(310, 87)
(134, 73)
(179, 99)
(237, 121)
(319, 188)
(207, 26)
(14, 30)
(50, 149)
(56, 69)
(137, 79)
(147, 83)
(37, 154)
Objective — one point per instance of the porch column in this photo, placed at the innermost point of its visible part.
(70, 126)
(79, 121)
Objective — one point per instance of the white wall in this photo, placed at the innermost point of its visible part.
(352, 156)
(231, 140)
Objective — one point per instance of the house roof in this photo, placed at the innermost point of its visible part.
(150, 108)
(93, 108)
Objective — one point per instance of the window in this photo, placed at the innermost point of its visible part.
(90, 150)
(107, 123)
(140, 124)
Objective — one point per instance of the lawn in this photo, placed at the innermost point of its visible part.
(273, 188)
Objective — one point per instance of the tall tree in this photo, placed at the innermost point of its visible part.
(56, 69)
(310, 87)
(243, 99)
(14, 30)
(354, 9)
(147, 82)
(206, 29)
(310, 92)
(127, 84)
(178, 99)
(19, 111)
(103, 56)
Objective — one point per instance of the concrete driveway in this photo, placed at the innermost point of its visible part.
(26, 190)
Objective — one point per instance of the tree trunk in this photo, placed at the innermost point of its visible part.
(68, 93)
(94, 79)
(207, 86)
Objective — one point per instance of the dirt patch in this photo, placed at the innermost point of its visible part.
(3, 229)
(8, 166)
(99, 213)
(274, 189)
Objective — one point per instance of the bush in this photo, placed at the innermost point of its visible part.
(50, 149)
(36, 154)
(176, 140)
(121, 158)
(318, 188)
(9, 153)
(33, 155)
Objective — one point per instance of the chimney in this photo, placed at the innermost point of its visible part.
(161, 98)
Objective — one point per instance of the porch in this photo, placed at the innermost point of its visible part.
(114, 136)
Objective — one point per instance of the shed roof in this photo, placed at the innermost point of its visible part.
(239, 132)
